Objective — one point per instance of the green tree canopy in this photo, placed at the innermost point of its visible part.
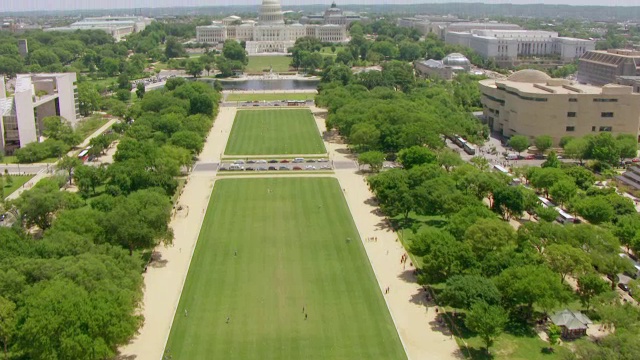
(519, 143)
(488, 321)
(415, 156)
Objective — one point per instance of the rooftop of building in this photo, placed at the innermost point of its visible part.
(619, 52)
(456, 59)
(611, 57)
(538, 82)
(6, 105)
(572, 320)
(483, 24)
(629, 77)
(24, 81)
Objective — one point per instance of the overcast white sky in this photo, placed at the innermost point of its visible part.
(26, 5)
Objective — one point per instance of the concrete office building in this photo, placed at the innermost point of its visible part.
(598, 67)
(116, 26)
(332, 16)
(508, 47)
(36, 96)
(445, 69)
(531, 103)
(440, 25)
(633, 81)
(270, 34)
(23, 48)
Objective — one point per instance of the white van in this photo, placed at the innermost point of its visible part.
(512, 157)
(235, 167)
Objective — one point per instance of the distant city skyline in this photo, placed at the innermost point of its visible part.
(43, 5)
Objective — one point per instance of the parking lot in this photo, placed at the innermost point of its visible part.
(297, 164)
(276, 103)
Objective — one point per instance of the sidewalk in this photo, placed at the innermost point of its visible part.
(165, 276)
(47, 170)
(416, 323)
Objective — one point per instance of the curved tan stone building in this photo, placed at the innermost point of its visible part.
(531, 103)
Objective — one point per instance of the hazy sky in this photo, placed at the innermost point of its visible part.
(26, 5)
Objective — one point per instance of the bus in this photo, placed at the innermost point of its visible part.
(546, 203)
(469, 149)
(456, 140)
(564, 217)
(501, 169)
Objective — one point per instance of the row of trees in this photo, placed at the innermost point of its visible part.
(489, 269)
(493, 273)
(61, 137)
(603, 147)
(369, 111)
(83, 305)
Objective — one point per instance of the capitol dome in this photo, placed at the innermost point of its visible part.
(529, 76)
(456, 59)
(270, 13)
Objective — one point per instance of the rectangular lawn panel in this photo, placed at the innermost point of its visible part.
(271, 96)
(264, 63)
(274, 132)
(290, 235)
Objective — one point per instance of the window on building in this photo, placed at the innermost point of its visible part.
(593, 128)
(571, 114)
(571, 128)
(606, 114)
(604, 100)
(573, 100)
(605, 128)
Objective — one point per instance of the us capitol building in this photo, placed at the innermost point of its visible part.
(270, 34)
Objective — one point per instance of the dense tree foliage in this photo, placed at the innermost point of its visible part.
(74, 292)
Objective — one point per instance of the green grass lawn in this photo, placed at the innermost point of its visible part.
(290, 237)
(18, 181)
(274, 132)
(271, 97)
(261, 63)
(14, 160)
(89, 125)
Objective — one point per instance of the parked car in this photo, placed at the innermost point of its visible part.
(3, 216)
(325, 167)
(273, 161)
(272, 168)
(223, 169)
(284, 161)
(322, 160)
(249, 169)
(635, 160)
(311, 160)
(251, 162)
(298, 160)
(297, 168)
(261, 162)
(624, 287)
(310, 167)
(262, 168)
(529, 157)
(284, 168)
(239, 162)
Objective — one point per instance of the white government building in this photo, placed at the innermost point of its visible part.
(116, 26)
(36, 96)
(269, 34)
(509, 46)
